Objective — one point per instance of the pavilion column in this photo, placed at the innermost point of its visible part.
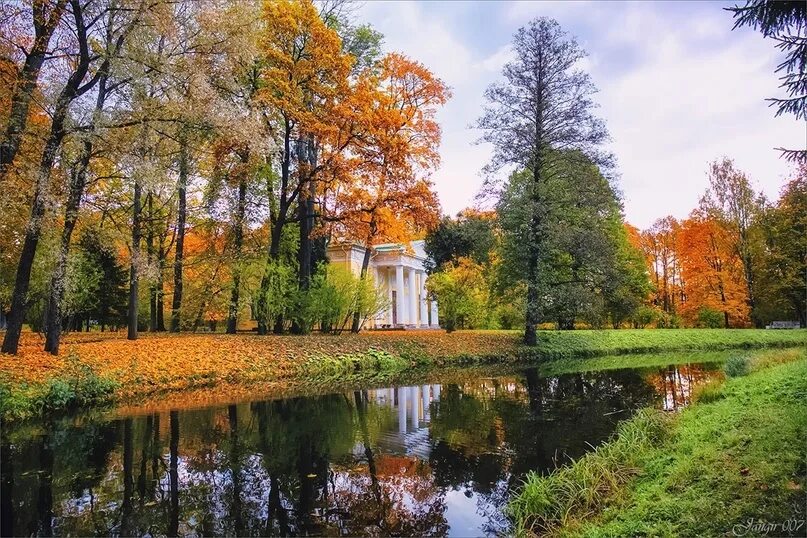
(413, 298)
(424, 313)
(401, 409)
(435, 321)
(424, 394)
(399, 295)
(415, 399)
(388, 284)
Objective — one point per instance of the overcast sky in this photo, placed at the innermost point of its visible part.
(677, 89)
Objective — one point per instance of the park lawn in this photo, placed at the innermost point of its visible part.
(734, 458)
(164, 362)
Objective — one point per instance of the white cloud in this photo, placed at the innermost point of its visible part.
(675, 94)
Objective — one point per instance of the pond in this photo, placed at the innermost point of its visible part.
(440, 458)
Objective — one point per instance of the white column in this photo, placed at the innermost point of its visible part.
(401, 409)
(424, 393)
(399, 294)
(424, 314)
(435, 321)
(436, 389)
(388, 282)
(413, 397)
(413, 298)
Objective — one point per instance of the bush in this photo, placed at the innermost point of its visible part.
(710, 319)
(510, 316)
(736, 366)
(335, 295)
(460, 293)
(78, 386)
(644, 316)
(668, 321)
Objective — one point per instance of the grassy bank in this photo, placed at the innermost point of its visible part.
(735, 458)
(582, 344)
(98, 367)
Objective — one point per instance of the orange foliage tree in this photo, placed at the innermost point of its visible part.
(389, 198)
(713, 272)
(659, 244)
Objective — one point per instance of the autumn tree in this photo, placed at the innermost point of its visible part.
(731, 201)
(46, 16)
(303, 74)
(660, 245)
(712, 271)
(783, 269)
(534, 121)
(389, 199)
(82, 77)
(115, 26)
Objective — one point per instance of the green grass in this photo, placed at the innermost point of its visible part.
(555, 345)
(646, 360)
(738, 454)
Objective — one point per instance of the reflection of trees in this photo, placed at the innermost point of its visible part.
(320, 465)
(674, 384)
(173, 475)
(6, 482)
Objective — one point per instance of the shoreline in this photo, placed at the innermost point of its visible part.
(100, 368)
(703, 471)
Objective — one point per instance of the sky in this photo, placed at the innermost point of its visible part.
(677, 89)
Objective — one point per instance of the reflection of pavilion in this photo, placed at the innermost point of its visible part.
(414, 415)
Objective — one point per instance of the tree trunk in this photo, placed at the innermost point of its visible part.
(176, 302)
(232, 317)
(53, 323)
(44, 26)
(365, 264)
(277, 233)
(159, 303)
(16, 316)
(533, 297)
(150, 259)
(133, 276)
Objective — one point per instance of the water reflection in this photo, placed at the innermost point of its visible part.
(431, 459)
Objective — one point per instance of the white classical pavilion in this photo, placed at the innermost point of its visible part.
(398, 269)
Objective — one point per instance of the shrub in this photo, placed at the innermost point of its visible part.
(736, 366)
(78, 386)
(460, 294)
(510, 316)
(668, 321)
(335, 295)
(644, 316)
(709, 318)
(59, 395)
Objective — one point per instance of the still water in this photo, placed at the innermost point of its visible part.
(427, 459)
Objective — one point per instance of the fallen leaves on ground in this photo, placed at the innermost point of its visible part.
(158, 362)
